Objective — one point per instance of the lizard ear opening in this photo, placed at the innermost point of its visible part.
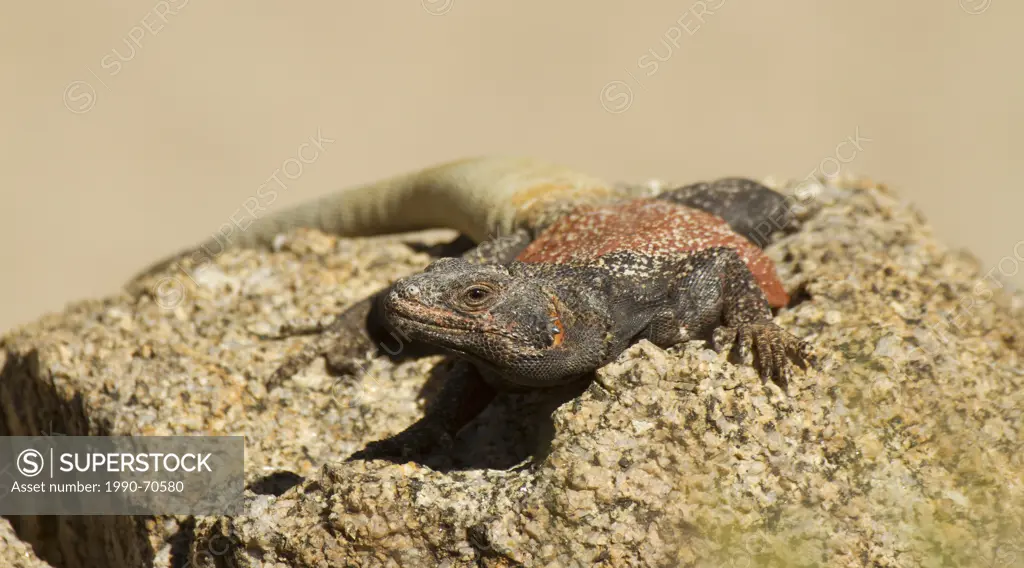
(557, 328)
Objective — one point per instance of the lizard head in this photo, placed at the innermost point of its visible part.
(483, 312)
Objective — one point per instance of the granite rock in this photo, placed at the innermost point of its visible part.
(904, 447)
(14, 552)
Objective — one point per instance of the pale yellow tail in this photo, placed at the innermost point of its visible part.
(479, 197)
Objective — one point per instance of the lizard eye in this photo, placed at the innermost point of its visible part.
(477, 295)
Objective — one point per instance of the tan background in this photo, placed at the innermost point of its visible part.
(165, 146)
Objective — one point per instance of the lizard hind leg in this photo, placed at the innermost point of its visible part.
(750, 208)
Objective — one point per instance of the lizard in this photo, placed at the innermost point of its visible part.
(575, 270)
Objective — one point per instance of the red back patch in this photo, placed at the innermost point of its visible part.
(656, 230)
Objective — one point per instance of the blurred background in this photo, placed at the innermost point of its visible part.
(133, 128)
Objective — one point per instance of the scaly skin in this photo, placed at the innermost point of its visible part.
(591, 284)
(569, 271)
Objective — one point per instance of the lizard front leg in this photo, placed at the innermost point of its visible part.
(502, 249)
(345, 338)
(719, 296)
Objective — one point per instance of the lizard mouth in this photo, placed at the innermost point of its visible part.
(407, 323)
(434, 321)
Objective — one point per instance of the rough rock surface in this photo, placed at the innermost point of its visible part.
(904, 448)
(14, 552)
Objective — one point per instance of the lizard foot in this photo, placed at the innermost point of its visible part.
(343, 353)
(301, 326)
(343, 338)
(418, 440)
(774, 346)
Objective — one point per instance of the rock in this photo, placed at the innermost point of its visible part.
(14, 552)
(903, 448)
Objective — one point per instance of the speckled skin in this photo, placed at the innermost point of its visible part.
(657, 232)
(516, 199)
(579, 270)
(592, 283)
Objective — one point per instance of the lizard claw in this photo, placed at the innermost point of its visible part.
(344, 339)
(342, 352)
(341, 339)
(774, 347)
(297, 327)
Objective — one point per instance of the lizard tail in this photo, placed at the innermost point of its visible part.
(479, 197)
